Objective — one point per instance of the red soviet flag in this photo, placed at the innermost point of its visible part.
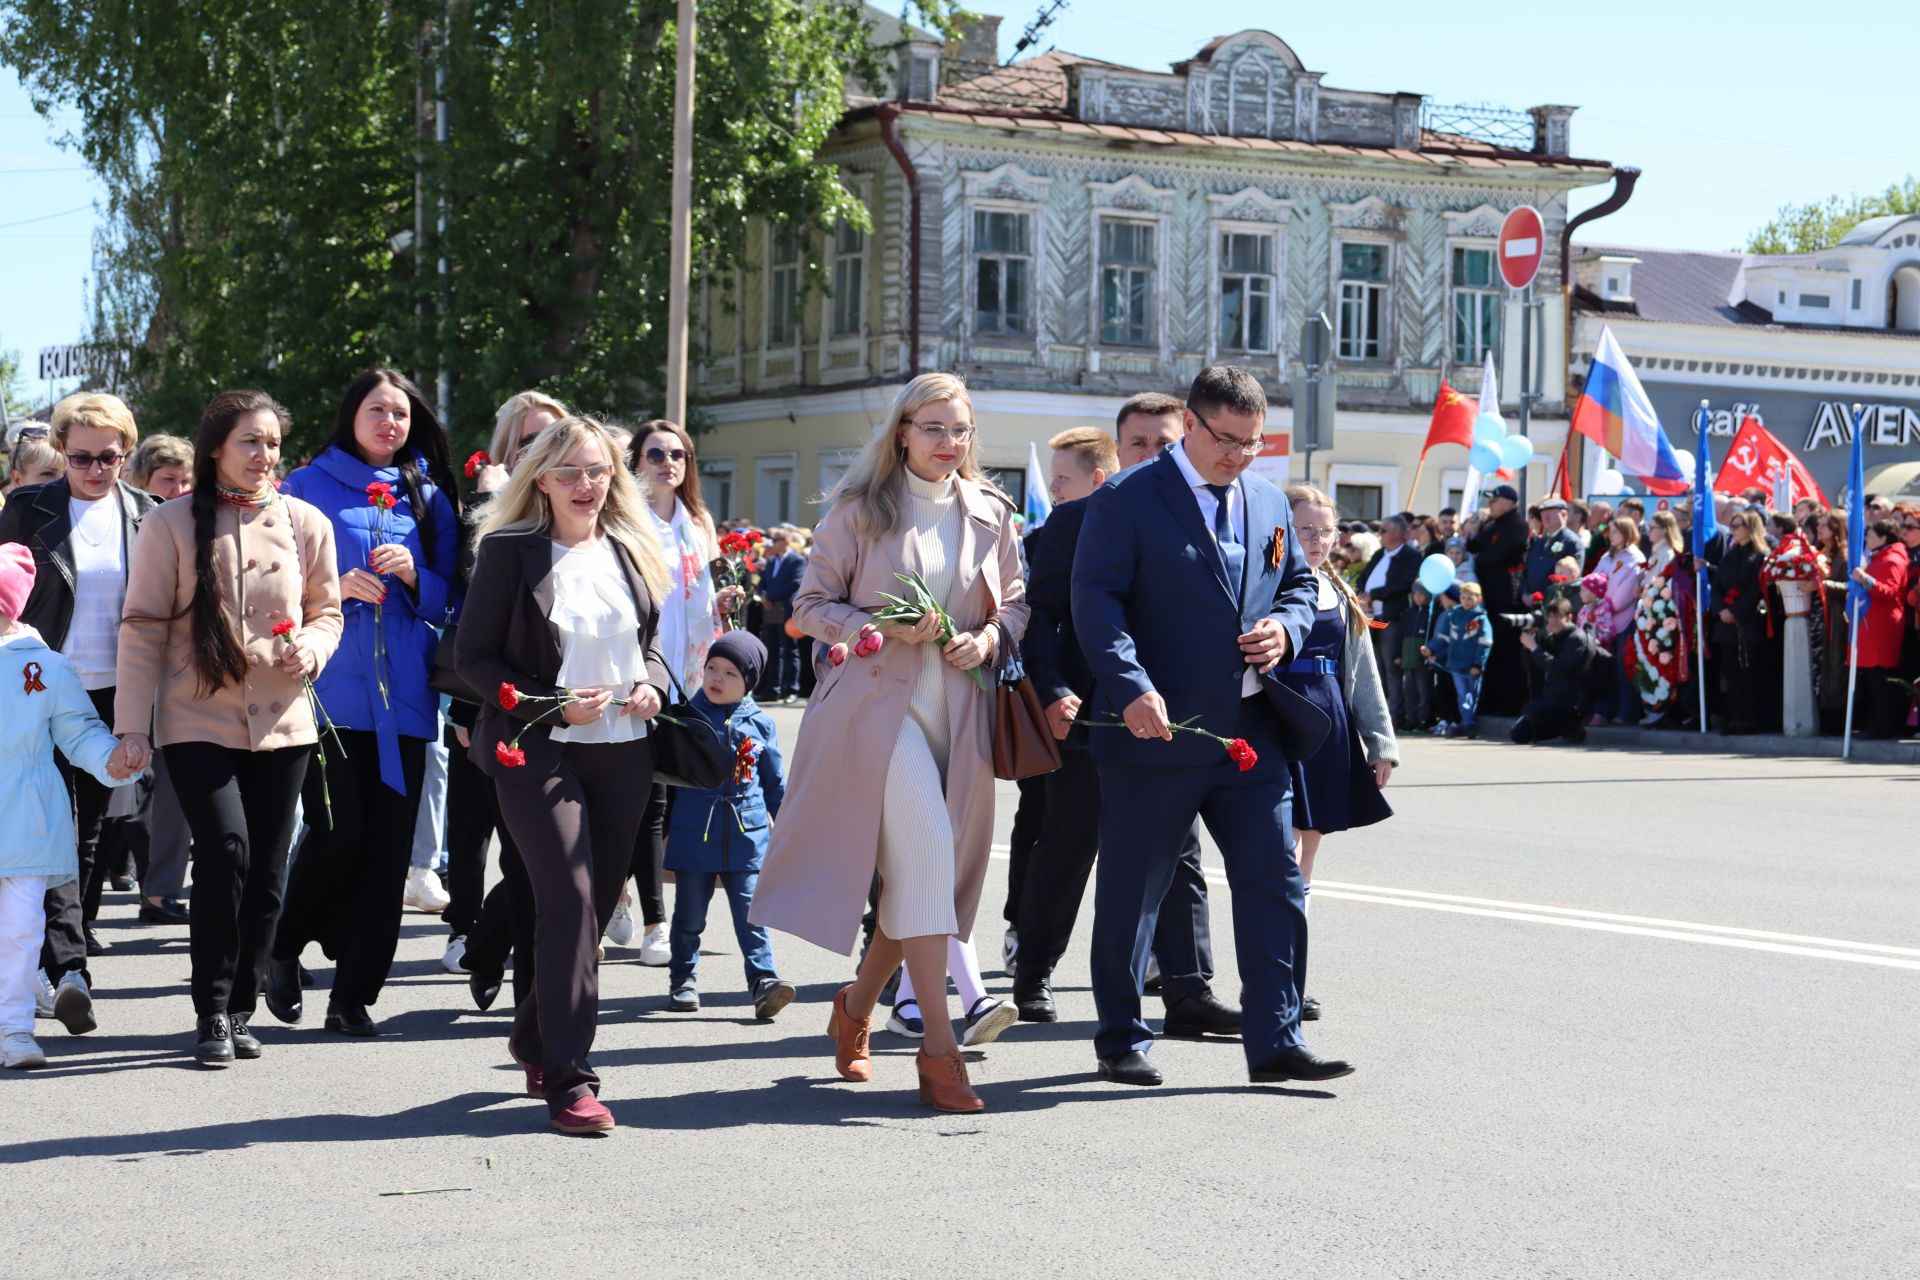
(1755, 460)
(1453, 416)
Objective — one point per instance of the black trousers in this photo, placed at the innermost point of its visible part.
(1028, 819)
(1547, 718)
(472, 817)
(347, 883)
(576, 829)
(239, 806)
(650, 856)
(64, 948)
(1057, 871)
(1885, 703)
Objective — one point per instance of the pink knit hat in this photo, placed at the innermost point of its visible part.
(16, 579)
(1595, 582)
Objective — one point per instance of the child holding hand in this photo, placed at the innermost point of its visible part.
(42, 709)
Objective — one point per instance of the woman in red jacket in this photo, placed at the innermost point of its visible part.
(1882, 627)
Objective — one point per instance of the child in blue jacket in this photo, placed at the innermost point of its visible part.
(1459, 647)
(42, 708)
(718, 837)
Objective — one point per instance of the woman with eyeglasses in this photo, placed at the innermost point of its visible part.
(894, 771)
(385, 481)
(81, 529)
(690, 611)
(559, 622)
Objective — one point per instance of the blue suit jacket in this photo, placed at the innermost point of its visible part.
(1155, 612)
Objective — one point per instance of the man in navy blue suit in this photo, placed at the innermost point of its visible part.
(780, 576)
(1188, 586)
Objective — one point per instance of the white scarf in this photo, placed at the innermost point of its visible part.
(688, 620)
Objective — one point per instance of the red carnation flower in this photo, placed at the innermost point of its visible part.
(510, 756)
(1242, 754)
(284, 627)
(477, 461)
(509, 696)
(380, 495)
(1556, 577)
(1537, 597)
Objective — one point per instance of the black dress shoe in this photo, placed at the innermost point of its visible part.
(1131, 1067)
(1200, 1014)
(1033, 997)
(245, 1043)
(123, 884)
(165, 911)
(213, 1045)
(1298, 1063)
(350, 1019)
(283, 991)
(1309, 1009)
(95, 947)
(485, 989)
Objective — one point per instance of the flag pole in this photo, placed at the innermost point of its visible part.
(1702, 522)
(1856, 558)
(1853, 676)
(1413, 494)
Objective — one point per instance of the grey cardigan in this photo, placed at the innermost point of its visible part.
(1366, 698)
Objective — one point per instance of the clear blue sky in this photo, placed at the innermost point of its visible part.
(1731, 109)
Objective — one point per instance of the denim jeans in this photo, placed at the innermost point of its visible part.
(1467, 689)
(430, 826)
(692, 891)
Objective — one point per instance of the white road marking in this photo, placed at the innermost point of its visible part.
(1713, 935)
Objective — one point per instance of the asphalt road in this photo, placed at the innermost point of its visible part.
(1584, 1049)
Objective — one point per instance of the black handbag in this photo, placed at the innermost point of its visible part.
(445, 678)
(687, 749)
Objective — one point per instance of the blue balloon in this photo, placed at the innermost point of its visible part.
(1436, 574)
(1516, 452)
(1485, 457)
(1489, 427)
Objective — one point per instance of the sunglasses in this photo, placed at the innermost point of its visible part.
(92, 461)
(658, 456)
(33, 433)
(571, 476)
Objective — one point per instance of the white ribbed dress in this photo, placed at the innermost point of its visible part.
(916, 832)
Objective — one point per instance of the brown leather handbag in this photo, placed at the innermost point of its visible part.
(1023, 745)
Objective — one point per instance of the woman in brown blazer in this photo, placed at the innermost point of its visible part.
(233, 603)
(894, 772)
(561, 609)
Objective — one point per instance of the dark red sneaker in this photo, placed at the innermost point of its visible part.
(536, 1078)
(583, 1117)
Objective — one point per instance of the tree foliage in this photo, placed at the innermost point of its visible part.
(277, 195)
(13, 389)
(1821, 224)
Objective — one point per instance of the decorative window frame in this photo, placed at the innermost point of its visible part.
(1476, 228)
(762, 464)
(1131, 199)
(1369, 221)
(793, 350)
(860, 186)
(1248, 211)
(1007, 189)
(1385, 478)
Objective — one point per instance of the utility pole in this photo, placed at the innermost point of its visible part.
(443, 380)
(680, 273)
(1533, 312)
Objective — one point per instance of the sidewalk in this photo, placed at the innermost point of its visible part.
(1496, 729)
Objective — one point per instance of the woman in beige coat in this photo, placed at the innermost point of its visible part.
(232, 605)
(894, 768)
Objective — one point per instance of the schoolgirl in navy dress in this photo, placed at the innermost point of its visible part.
(1338, 787)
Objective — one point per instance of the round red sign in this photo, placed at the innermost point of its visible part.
(1523, 242)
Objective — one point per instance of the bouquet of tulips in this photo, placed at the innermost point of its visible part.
(917, 604)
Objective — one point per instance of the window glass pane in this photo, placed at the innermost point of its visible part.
(986, 296)
(1129, 242)
(999, 232)
(1140, 302)
(850, 239)
(1233, 309)
(1472, 268)
(1358, 501)
(848, 274)
(1015, 319)
(1250, 253)
(1112, 307)
(1259, 316)
(1363, 262)
(786, 247)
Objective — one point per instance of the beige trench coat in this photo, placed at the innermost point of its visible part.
(826, 841)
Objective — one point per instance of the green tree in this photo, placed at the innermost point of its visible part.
(1821, 224)
(277, 194)
(13, 389)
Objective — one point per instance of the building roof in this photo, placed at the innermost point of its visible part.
(1873, 228)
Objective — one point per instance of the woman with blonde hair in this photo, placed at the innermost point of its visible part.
(559, 618)
(894, 771)
(515, 423)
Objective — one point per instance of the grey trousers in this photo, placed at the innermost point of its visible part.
(168, 841)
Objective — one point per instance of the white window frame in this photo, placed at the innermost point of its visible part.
(1154, 273)
(1132, 199)
(1384, 478)
(1498, 288)
(1217, 291)
(1006, 189)
(764, 467)
(730, 469)
(836, 344)
(975, 255)
(768, 270)
(1385, 287)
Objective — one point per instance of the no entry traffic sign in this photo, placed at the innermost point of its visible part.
(1523, 241)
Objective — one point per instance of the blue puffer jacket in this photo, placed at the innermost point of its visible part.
(726, 829)
(1463, 640)
(336, 482)
(43, 707)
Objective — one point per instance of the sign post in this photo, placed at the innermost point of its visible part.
(1522, 246)
(1313, 414)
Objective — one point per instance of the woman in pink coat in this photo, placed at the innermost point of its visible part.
(1622, 564)
(894, 769)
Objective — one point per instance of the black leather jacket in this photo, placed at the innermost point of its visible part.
(40, 518)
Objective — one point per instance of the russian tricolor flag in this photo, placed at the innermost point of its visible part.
(1615, 414)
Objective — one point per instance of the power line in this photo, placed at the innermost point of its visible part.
(47, 217)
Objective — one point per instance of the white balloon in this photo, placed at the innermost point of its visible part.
(1685, 459)
(1609, 481)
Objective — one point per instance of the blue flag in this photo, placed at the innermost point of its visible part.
(1703, 526)
(1037, 502)
(1856, 519)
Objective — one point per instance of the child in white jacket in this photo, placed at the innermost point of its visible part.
(42, 707)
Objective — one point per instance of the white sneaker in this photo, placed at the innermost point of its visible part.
(456, 952)
(42, 995)
(424, 892)
(73, 1003)
(1009, 948)
(620, 928)
(20, 1051)
(655, 950)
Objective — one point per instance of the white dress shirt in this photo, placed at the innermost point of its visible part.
(1236, 515)
(99, 589)
(594, 612)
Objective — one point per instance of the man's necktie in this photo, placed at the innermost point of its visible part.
(1232, 550)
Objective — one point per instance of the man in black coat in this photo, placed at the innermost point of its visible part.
(1386, 587)
(1555, 543)
(1563, 656)
(1498, 548)
(1060, 861)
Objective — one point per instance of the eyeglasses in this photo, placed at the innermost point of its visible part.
(1314, 532)
(94, 461)
(1909, 524)
(1248, 447)
(658, 456)
(571, 476)
(939, 433)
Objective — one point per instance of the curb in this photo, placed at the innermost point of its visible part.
(1496, 729)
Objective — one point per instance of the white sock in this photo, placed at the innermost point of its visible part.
(965, 967)
(1306, 898)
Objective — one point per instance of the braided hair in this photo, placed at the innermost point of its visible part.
(217, 653)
